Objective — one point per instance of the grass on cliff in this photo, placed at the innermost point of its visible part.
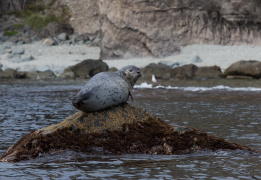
(37, 21)
(37, 15)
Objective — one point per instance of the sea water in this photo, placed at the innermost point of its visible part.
(232, 113)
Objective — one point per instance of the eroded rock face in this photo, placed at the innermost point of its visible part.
(116, 130)
(158, 28)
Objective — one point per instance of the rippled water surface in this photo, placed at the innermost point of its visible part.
(233, 115)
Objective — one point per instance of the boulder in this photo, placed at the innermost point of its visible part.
(208, 72)
(244, 68)
(116, 130)
(55, 29)
(184, 72)
(87, 68)
(160, 71)
(8, 74)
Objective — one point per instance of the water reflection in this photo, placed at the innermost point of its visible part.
(234, 116)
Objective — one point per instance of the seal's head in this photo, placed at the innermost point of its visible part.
(132, 74)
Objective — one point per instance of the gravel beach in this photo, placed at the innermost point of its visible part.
(57, 58)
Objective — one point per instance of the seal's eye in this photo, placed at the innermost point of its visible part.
(131, 70)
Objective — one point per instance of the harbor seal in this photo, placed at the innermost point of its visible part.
(106, 89)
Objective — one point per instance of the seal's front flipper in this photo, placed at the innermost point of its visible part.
(130, 96)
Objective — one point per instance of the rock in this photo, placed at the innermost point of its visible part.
(62, 37)
(208, 72)
(85, 18)
(29, 58)
(20, 75)
(123, 129)
(55, 29)
(17, 50)
(88, 68)
(11, 5)
(196, 59)
(184, 72)
(159, 28)
(239, 77)
(15, 59)
(48, 74)
(8, 74)
(77, 38)
(1, 68)
(48, 42)
(244, 68)
(8, 45)
(160, 71)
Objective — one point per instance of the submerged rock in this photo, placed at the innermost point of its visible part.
(116, 130)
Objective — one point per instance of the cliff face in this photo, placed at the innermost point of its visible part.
(85, 15)
(158, 28)
(136, 28)
(11, 5)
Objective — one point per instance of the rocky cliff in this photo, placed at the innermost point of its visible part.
(158, 28)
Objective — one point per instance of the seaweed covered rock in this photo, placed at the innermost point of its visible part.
(116, 130)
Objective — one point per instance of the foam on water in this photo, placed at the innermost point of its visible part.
(145, 85)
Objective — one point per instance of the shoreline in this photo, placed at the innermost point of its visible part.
(164, 84)
(57, 58)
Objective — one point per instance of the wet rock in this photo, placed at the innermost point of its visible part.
(244, 68)
(8, 74)
(208, 72)
(87, 68)
(116, 130)
(21, 75)
(239, 77)
(184, 72)
(160, 71)
(48, 74)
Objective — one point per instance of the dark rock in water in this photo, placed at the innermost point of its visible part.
(184, 72)
(244, 68)
(116, 130)
(159, 70)
(87, 68)
(48, 74)
(208, 72)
